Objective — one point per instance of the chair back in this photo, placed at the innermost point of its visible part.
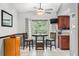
(25, 36)
(52, 35)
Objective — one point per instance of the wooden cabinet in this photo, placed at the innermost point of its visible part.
(63, 22)
(12, 46)
(64, 42)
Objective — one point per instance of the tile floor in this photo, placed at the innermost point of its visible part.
(46, 52)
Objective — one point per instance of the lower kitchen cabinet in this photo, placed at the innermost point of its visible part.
(12, 46)
(64, 42)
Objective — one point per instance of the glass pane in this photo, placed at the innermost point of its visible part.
(39, 27)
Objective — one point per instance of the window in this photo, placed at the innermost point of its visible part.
(39, 27)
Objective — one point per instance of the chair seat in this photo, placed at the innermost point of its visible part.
(50, 39)
(29, 43)
(49, 43)
(39, 41)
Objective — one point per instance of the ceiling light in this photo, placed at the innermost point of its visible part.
(40, 12)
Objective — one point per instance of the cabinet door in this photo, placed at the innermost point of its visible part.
(9, 47)
(12, 46)
(64, 42)
(17, 46)
(63, 22)
(67, 21)
(60, 22)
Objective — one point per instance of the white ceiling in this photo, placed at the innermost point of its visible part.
(30, 7)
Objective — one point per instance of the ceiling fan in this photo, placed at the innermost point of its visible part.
(40, 10)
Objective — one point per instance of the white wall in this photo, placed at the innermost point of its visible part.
(74, 29)
(53, 28)
(64, 9)
(7, 30)
(31, 16)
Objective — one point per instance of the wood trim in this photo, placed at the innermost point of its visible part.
(11, 35)
(78, 29)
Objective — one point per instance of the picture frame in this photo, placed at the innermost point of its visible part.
(6, 19)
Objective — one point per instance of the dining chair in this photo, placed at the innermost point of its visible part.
(52, 41)
(27, 42)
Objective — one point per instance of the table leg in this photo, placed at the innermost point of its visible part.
(50, 45)
(23, 44)
(46, 44)
(36, 42)
(43, 42)
(29, 45)
(55, 44)
(32, 43)
(26, 44)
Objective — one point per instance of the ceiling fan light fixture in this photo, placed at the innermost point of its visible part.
(40, 12)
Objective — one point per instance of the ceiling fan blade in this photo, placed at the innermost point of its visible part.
(50, 9)
(35, 7)
(48, 12)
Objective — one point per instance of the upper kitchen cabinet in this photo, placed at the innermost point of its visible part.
(63, 22)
